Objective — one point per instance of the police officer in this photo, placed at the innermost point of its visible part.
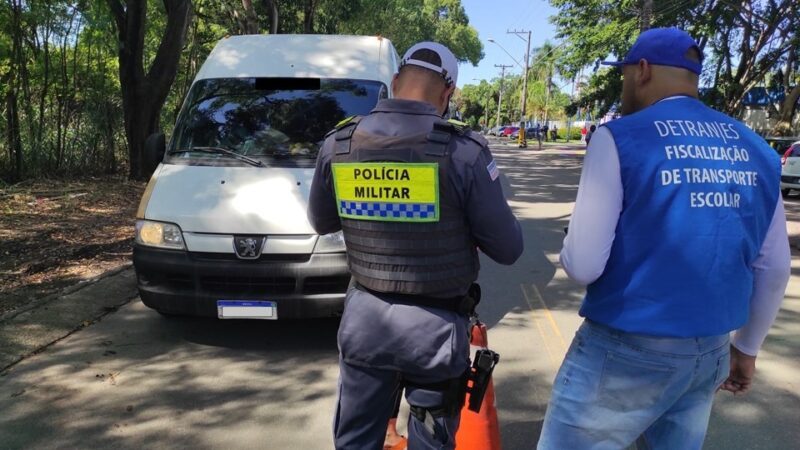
(680, 234)
(415, 197)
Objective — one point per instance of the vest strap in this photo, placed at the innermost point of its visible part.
(443, 226)
(447, 258)
(413, 277)
(378, 242)
(439, 140)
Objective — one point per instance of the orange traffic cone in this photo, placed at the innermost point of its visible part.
(479, 431)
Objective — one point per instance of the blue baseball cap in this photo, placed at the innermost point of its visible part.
(663, 47)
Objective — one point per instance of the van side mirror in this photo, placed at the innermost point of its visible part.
(154, 148)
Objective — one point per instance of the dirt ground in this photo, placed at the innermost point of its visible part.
(54, 234)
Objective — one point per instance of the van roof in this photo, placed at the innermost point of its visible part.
(297, 55)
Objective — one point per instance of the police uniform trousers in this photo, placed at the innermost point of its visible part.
(383, 345)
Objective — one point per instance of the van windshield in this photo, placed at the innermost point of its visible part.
(281, 121)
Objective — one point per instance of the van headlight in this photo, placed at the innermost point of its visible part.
(330, 243)
(159, 234)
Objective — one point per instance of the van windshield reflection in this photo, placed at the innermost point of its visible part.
(277, 120)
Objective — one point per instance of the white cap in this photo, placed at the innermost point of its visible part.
(447, 65)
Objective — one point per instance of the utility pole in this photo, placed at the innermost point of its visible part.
(519, 33)
(500, 95)
(486, 113)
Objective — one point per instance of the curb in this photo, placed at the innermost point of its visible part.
(65, 291)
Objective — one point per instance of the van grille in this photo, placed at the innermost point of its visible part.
(326, 285)
(277, 257)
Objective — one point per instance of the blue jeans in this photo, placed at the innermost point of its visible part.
(614, 387)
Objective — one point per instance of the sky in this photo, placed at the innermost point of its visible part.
(492, 19)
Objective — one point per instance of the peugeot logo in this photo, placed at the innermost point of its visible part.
(248, 247)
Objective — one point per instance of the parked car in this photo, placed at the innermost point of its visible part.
(221, 229)
(790, 171)
(508, 130)
(497, 131)
(530, 133)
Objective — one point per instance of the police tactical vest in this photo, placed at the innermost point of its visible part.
(700, 190)
(403, 226)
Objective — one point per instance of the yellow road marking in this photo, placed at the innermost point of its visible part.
(553, 359)
(549, 316)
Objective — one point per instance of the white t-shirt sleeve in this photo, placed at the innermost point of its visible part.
(592, 227)
(771, 274)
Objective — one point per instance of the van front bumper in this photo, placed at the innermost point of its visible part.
(187, 283)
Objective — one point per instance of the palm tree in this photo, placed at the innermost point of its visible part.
(544, 65)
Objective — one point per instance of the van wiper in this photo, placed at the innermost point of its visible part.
(220, 151)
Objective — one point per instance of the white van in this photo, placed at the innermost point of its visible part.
(221, 229)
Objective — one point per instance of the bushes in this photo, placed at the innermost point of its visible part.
(574, 133)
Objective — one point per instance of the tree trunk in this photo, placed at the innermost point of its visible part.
(272, 7)
(12, 108)
(250, 21)
(646, 17)
(308, 17)
(14, 141)
(783, 127)
(143, 94)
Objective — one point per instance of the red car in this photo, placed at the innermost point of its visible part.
(508, 131)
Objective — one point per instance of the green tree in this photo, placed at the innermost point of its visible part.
(406, 22)
(745, 43)
(145, 90)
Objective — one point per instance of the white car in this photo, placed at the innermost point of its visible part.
(790, 173)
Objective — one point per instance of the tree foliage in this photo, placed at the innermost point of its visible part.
(83, 82)
(747, 43)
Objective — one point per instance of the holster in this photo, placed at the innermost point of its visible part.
(480, 375)
(455, 393)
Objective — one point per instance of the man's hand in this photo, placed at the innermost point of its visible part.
(742, 369)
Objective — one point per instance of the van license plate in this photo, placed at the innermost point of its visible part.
(236, 309)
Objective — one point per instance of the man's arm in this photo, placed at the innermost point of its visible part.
(597, 208)
(322, 212)
(771, 275)
(492, 224)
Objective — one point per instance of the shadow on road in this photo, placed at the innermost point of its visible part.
(128, 380)
(533, 177)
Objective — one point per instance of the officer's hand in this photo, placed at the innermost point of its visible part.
(742, 369)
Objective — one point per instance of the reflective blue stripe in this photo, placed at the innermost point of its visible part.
(397, 210)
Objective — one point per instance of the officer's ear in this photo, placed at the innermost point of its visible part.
(448, 92)
(444, 100)
(394, 84)
(644, 72)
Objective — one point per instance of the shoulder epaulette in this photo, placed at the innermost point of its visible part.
(461, 127)
(345, 121)
(352, 120)
(457, 123)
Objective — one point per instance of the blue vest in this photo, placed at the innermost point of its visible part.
(700, 190)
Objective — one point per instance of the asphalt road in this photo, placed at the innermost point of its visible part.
(138, 380)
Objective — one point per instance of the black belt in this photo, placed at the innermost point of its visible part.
(464, 304)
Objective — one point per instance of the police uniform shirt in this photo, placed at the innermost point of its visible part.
(492, 225)
(594, 221)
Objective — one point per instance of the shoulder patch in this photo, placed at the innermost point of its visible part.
(494, 172)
